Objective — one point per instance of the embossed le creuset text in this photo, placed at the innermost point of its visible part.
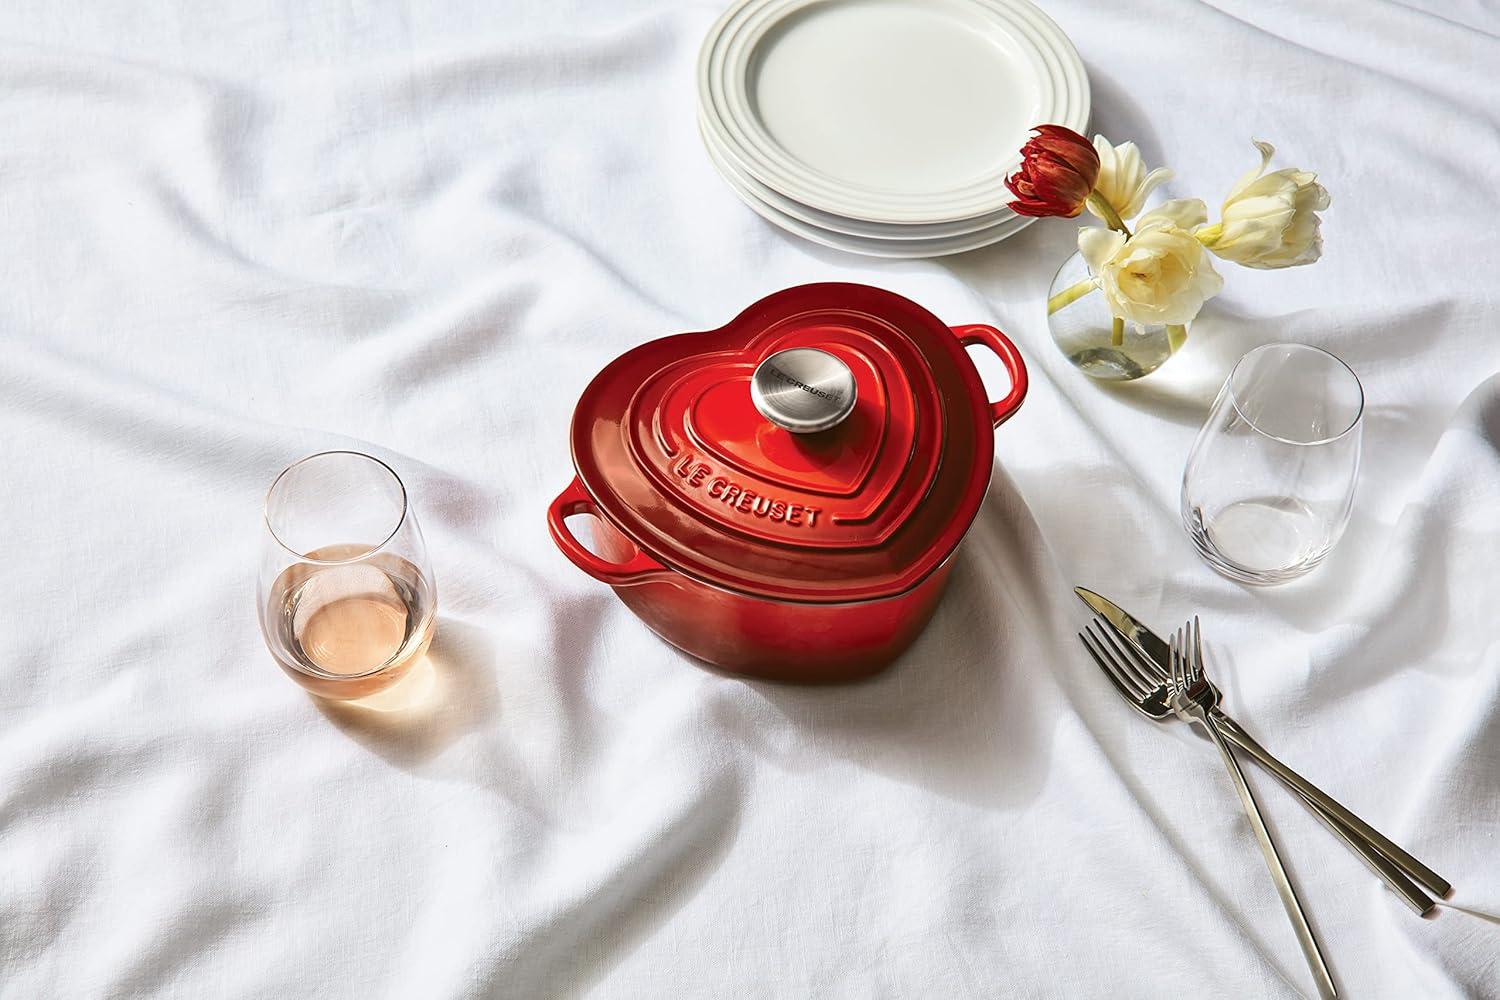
(698, 475)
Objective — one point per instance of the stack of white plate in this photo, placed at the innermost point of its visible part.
(884, 127)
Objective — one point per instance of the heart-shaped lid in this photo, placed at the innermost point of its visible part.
(737, 463)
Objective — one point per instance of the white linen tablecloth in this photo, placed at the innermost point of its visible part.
(231, 234)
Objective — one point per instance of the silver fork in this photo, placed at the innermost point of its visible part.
(1155, 696)
(1193, 699)
(1145, 685)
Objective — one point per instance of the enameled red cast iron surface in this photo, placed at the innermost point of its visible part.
(801, 556)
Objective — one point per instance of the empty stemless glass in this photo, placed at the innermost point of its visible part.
(347, 599)
(1270, 480)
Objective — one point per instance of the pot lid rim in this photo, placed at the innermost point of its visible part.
(829, 299)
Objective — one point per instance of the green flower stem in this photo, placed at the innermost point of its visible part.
(1176, 336)
(1107, 212)
(1069, 295)
(1117, 331)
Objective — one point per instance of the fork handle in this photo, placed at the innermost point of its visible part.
(1393, 876)
(1284, 888)
(1378, 851)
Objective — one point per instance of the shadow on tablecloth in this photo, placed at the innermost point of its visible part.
(449, 693)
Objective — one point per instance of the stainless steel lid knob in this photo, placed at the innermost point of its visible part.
(803, 390)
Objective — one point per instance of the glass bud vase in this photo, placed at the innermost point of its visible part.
(1091, 338)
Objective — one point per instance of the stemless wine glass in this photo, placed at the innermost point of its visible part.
(347, 599)
(1270, 480)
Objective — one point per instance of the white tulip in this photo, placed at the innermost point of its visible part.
(1123, 182)
(1270, 219)
(1159, 276)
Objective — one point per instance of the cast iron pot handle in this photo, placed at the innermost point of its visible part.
(576, 500)
(988, 336)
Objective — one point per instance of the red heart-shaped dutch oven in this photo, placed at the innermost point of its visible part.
(781, 497)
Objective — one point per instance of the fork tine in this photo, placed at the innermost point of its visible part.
(1127, 654)
(1112, 665)
(1187, 652)
(1187, 656)
(1176, 660)
(1119, 685)
(1174, 649)
(1198, 667)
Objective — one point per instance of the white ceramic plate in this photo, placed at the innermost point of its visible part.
(1002, 19)
(891, 111)
(898, 74)
(898, 249)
